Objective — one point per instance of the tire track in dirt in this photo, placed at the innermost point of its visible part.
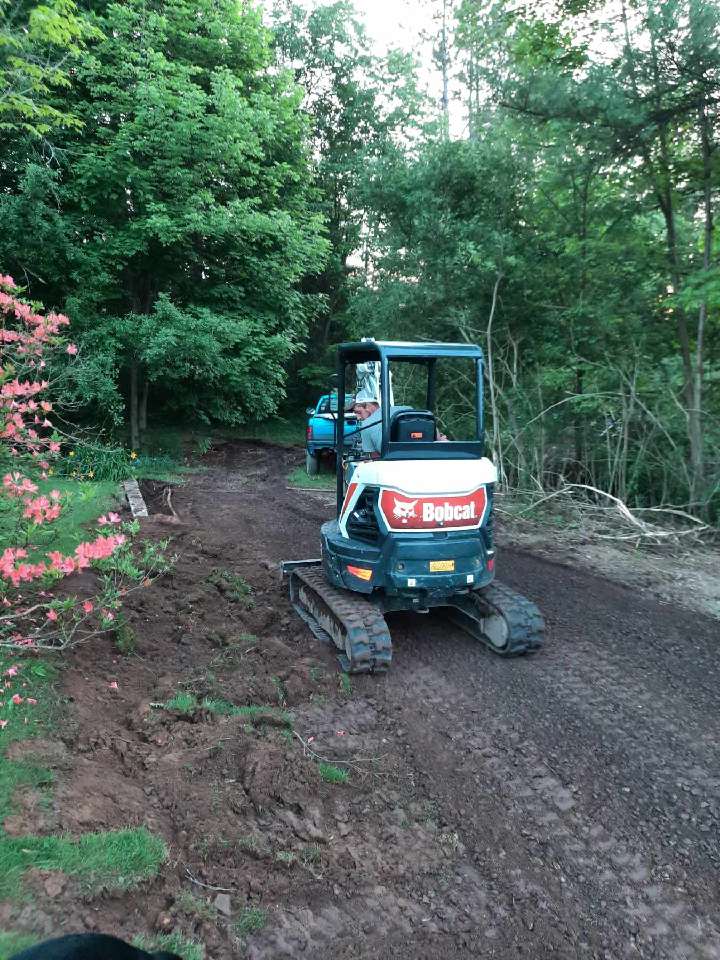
(582, 783)
(597, 859)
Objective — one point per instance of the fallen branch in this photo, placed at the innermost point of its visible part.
(307, 749)
(642, 529)
(208, 886)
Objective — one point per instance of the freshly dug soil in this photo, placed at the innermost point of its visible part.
(560, 805)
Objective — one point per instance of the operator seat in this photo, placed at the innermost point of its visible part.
(407, 426)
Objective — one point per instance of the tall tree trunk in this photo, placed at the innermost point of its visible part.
(696, 411)
(144, 404)
(444, 63)
(134, 422)
(490, 360)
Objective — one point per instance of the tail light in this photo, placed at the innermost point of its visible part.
(308, 433)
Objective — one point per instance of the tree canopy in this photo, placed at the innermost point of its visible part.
(217, 200)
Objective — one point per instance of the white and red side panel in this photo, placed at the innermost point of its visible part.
(404, 513)
(419, 495)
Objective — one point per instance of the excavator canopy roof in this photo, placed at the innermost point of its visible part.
(364, 350)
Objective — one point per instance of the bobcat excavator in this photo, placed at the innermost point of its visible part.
(414, 518)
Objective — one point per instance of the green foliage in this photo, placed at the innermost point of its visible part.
(359, 104)
(82, 503)
(190, 190)
(332, 774)
(36, 41)
(284, 430)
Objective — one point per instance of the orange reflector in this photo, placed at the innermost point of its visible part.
(361, 572)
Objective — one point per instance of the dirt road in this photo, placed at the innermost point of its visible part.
(564, 805)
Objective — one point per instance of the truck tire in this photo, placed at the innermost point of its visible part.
(312, 464)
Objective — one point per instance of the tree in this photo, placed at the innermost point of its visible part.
(359, 105)
(645, 101)
(183, 217)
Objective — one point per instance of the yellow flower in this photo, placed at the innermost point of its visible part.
(91, 473)
(133, 455)
(72, 453)
(50, 472)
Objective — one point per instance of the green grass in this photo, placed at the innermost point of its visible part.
(12, 943)
(332, 774)
(182, 702)
(171, 943)
(321, 481)
(250, 920)
(187, 703)
(22, 721)
(233, 586)
(194, 907)
(253, 711)
(115, 860)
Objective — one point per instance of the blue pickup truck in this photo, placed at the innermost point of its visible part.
(320, 441)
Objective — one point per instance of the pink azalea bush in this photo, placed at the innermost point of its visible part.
(28, 445)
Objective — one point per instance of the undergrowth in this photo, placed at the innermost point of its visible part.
(321, 481)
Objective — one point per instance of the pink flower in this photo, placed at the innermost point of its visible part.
(114, 518)
(31, 700)
(17, 699)
(52, 615)
(11, 672)
(108, 615)
(102, 521)
(71, 349)
(113, 685)
(3, 724)
(88, 607)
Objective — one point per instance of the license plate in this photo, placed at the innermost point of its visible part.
(441, 566)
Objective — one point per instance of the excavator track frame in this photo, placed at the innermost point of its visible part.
(343, 619)
(506, 622)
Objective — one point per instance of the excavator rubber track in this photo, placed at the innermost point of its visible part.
(344, 619)
(504, 621)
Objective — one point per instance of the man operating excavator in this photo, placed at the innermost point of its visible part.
(367, 409)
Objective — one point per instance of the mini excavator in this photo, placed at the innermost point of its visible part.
(414, 520)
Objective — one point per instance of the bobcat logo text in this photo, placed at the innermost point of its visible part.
(464, 511)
